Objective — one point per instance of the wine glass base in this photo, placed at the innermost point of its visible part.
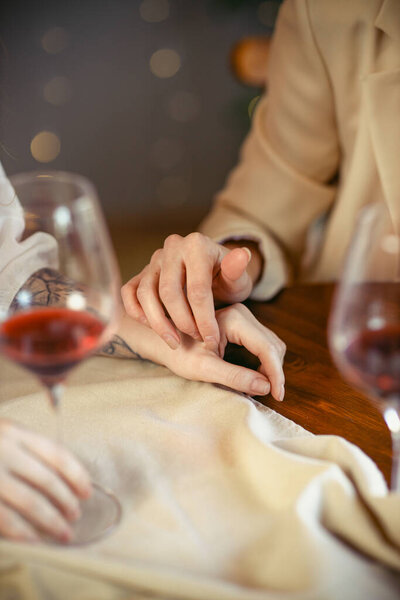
(101, 513)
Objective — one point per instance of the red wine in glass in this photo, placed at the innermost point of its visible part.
(50, 341)
(372, 361)
(364, 324)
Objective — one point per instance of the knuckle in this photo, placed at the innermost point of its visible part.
(143, 289)
(239, 308)
(196, 239)
(172, 240)
(156, 256)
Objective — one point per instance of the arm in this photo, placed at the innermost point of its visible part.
(282, 182)
(192, 360)
(280, 186)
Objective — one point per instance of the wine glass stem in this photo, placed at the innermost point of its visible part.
(395, 482)
(55, 393)
(392, 418)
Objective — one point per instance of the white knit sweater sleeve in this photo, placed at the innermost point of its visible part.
(19, 258)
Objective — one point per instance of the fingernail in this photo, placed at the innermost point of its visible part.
(248, 252)
(260, 387)
(281, 394)
(171, 341)
(144, 321)
(211, 343)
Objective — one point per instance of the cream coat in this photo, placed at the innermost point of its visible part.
(324, 141)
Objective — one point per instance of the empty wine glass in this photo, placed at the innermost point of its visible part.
(364, 325)
(50, 328)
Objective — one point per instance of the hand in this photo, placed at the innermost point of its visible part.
(40, 485)
(183, 279)
(193, 360)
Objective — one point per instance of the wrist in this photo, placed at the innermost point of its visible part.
(143, 341)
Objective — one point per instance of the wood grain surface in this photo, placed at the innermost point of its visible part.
(317, 398)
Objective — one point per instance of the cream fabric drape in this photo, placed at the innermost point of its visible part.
(223, 498)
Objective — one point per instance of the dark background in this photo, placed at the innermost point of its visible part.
(156, 148)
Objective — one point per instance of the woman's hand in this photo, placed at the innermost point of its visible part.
(40, 486)
(184, 279)
(193, 360)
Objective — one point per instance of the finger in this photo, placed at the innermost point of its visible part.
(171, 289)
(234, 264)
(233, 283)
(130, 301)
(14, 527)
(241, 328)
(58, 459)
(257, 343)
(199, 275)
(34, 507)
(215, 370)
(45, 480)
(147, 294)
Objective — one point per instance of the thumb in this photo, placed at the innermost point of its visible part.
(234, 264)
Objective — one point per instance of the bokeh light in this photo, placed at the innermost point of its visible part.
(184, 106)
(57, 91)
(55, 40)
(45, 146)
(165, 63)
(267, 12)
(172, 191)
(154, 11)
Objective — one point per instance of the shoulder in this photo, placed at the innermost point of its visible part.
(342, 16)
(332, 15)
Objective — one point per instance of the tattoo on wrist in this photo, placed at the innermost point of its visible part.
(118, 348)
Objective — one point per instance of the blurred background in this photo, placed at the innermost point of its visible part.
(144, 97)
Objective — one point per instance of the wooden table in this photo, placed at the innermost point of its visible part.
(317, 398)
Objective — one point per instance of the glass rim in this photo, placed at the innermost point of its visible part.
(43, 176)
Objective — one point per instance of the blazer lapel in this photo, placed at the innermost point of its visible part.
(382, 90)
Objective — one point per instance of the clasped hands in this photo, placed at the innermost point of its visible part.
(175, 297)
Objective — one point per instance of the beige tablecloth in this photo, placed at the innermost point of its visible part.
(223, 498)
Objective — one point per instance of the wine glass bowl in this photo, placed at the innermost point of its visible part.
(70, 307)
(364, 324)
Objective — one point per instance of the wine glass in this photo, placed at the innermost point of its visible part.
(72, 307)
(364, 324)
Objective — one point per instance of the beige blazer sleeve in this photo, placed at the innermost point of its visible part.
(282, 182)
